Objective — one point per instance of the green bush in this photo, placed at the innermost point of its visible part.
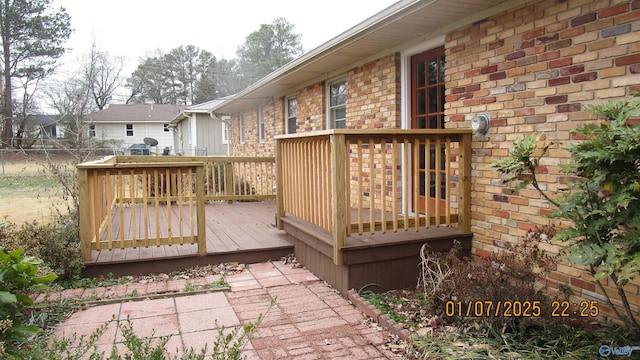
(603, 203)
(18, 277)
(57, 244)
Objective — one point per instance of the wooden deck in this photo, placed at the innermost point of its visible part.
(239, 232)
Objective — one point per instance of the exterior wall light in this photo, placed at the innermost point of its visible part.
(480, 124)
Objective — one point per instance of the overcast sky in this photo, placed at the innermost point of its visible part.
(134, 28)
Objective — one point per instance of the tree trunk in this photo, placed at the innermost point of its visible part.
(7, 108)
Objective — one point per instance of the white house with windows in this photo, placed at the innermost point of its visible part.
(130, 124)
(196, 131)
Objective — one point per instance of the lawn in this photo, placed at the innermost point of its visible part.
(27, 193)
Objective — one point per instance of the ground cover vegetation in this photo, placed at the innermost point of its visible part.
(454, 312)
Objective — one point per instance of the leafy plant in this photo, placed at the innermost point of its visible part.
(57, 244)
(603, 205)
(18, 277)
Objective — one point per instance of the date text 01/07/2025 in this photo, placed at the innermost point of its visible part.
(490, 308)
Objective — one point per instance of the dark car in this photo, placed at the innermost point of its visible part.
(139, 149)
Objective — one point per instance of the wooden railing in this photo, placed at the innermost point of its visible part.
(142, 201)
(356, 181)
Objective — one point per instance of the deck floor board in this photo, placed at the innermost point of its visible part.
(230, 228)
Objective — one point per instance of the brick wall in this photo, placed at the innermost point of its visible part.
(533, 69)
(373, 95)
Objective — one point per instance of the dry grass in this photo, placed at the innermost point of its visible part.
(27, 193)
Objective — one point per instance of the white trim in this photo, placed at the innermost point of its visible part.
(405, 76)
(193, 137)
(286, 112)
(328, 100)
(241, 127)
(405, 95)
(225, 132)
(261, 127)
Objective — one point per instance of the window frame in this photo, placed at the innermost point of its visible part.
(128, 128)
(92, 130)
(241, 125)
(331, 122)
(165, 127)
(261, 127)
(288, 118)
(225, 132)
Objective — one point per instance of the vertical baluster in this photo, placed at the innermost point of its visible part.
(405, 187)
(360, 199)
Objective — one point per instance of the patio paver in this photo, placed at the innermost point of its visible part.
(309, 320)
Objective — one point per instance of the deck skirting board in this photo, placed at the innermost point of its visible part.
(373, 262)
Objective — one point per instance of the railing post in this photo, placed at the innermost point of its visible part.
(229, 183)
(84, 214)
(200, 210)
(464, 217)
(279, 185)
(338, 191)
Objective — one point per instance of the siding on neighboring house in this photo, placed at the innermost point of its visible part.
(533, 68)
(148, 120)
(117, 131)
(196, 132)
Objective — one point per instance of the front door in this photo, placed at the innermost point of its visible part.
(427, 112)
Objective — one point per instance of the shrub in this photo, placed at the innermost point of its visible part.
(509, 275)
(603, 203)
(57, 244)
(18, 277)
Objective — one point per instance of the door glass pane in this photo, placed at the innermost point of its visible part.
(442, 69)
(432, 184)
(433, 100)
(422, 159)
(433, 71)
(421, 123)
(421, 107)
(422, 183)
(432, 157)
(420, 72)
(433, 122)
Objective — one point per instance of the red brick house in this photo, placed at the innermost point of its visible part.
(529, 65)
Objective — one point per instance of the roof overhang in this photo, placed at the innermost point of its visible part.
(402, 25)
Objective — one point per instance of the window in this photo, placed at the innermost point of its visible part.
(92, 130)
(165, 127)
(292, 105)
(261, 124)
(129, 129)
(225, 132)
(241, 128)
(337, 93)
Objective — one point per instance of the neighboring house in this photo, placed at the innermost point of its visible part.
(198, 132)
(131, 124)
(531, 65)
(41, 126)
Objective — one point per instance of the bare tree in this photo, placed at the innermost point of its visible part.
(102, 74)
